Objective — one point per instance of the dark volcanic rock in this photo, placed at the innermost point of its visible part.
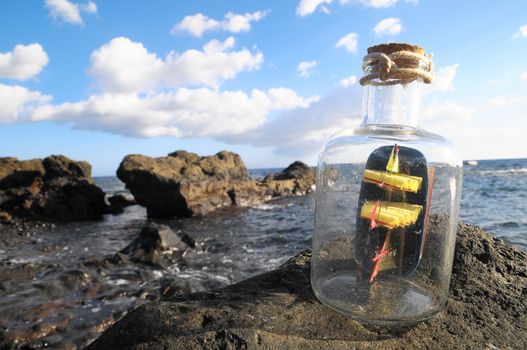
(157, 244)
(121, 200)
(487, 309)
(184, 184)
(56, 188)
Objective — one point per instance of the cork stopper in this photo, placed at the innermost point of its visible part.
(390, 48)
(396, 63)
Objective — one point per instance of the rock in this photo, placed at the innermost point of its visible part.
(184, 184)
(486, 309)
(5, 218)
(19, 173)
(61, 166)
(297, 179)
(153, 244)
(121, 200)
(54, 189)
(295, 170)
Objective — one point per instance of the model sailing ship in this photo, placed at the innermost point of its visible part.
(393, 212)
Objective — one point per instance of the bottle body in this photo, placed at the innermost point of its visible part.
(387, 204)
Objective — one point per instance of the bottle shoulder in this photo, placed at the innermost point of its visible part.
(365, 139)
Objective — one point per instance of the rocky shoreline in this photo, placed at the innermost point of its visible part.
(56, 292)
(486, 309)
(183, 184)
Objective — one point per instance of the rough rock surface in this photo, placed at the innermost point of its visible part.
(296, 179)
(157, 245)
(184, 184)
(486, 309)
(55, 188)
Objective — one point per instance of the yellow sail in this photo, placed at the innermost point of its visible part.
(403, 182)
(393, 162)
(390, 214)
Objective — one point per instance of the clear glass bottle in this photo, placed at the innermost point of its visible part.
(387, 204)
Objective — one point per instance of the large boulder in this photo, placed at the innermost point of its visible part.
(486, 309)
(55, 189)
(184, 184)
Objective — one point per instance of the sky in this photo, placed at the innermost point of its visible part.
(270, 80)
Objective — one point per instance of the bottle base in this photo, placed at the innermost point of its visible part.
(389, 301)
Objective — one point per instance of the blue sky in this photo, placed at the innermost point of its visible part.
(267, 79)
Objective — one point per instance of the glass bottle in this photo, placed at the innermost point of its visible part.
(387, 203)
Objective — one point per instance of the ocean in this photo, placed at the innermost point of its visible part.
(54, 268)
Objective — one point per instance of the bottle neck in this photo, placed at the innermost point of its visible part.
(396, 105)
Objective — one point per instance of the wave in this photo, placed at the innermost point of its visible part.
(268, 206)
(501, 172)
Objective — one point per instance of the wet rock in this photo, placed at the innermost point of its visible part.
(277, 310)
(54, 189)
(121, 200)
(52, 340)
(156, 245)
(173, 287)
(184, 184)
(5, 218)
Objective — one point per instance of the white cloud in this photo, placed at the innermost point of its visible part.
(126, 66)
(143, 95)
(521, 33)
(388, 26)
(307, 7)
(350, 42)
(443, 80)
(181, 113)
(89, 7)
(305, 68)
(211, 66)
(283, 98)
(300, 133)
(24, 62)
(69, 12)
(198, 24)
(446, 113)
(502, 101)
(523, 76)
(351, 80)
(375, 3)
(18, 102)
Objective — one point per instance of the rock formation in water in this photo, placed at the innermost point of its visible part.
(158, 245)
(486, 309)
(184, 184)
(53, 189)
(119, 201)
